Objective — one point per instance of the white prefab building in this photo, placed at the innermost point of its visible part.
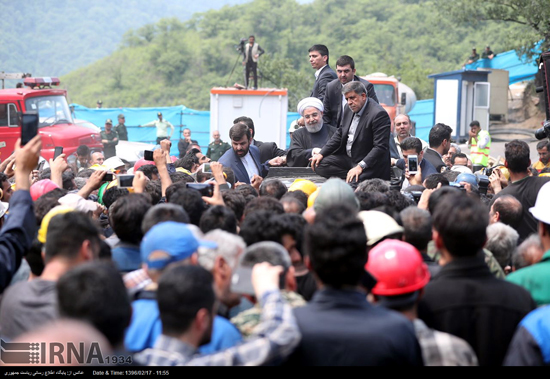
(461, 97)
(267, 107)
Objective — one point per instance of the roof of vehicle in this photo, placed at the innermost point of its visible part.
(23, 93)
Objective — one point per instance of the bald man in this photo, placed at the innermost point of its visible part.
(97, 158)
(308, 141)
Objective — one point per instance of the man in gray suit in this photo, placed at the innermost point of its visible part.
(359, 149)
(334, 102)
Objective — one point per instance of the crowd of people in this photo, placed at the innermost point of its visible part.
(203, 261)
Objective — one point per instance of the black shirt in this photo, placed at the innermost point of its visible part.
(526, 191)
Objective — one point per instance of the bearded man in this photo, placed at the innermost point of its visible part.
(308, 141)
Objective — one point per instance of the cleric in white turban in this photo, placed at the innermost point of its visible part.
(310, 102)
(308, 141)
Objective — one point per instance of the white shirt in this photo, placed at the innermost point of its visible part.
(318, 72)
(353, 128)
(250, 166)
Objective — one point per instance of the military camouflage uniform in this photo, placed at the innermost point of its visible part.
(247, 321)
(215, 151)
(490, 260)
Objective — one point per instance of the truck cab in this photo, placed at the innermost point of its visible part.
(396, 98)
(56, 125)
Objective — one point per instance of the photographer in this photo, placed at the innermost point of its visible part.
(251, 53)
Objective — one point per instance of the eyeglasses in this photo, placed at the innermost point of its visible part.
(401, 123)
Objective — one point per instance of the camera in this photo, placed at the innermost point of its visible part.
(205, 189)
(483, 183)
(543, 132)
(125, 181)
(489, 170)
(240, 45)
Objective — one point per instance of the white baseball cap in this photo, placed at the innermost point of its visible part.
(542, 205)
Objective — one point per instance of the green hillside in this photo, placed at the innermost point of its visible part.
(174, 62)
(54, 37)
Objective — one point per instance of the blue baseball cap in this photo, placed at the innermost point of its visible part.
(468, 178)
(173, 238)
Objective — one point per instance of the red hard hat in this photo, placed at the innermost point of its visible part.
(398, 267)
(142, 162)
(41, 187)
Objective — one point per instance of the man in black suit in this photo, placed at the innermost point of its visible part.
(318, 57)
(268, 150)
(359, 149)
(440, 143)
(334, 102)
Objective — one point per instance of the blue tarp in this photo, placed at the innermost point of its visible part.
(423, 114)
(180, 116)
(519, 68)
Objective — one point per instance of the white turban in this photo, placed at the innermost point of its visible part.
(310, 102)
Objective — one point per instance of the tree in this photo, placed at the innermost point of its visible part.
(532, 15)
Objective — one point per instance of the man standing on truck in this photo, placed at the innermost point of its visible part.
(109, 139)
(334, 102)
(162, 128)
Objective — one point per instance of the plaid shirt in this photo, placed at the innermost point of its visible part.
(277, 336)
(136, 280)
(443, 349)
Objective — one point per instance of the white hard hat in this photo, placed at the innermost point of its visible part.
(113, 163)
(461, 169)
(542, 205)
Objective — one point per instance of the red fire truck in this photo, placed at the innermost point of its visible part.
(56, 125)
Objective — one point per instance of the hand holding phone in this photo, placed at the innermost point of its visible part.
(29, 126)
(206, 189)
(412, 164)
(57, 152)
(148, 155)
(125, 181)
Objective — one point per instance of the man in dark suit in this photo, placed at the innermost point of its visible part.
(339, 327)
(268, 150)
(359, 149)
(334, 102)
(244, 158)
(440, 143)
(318, 57)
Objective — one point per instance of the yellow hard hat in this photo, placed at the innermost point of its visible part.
(60, 209)
(98, 167)
(304, 185)
(312, 197)
(181, 169)
(505, 172)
